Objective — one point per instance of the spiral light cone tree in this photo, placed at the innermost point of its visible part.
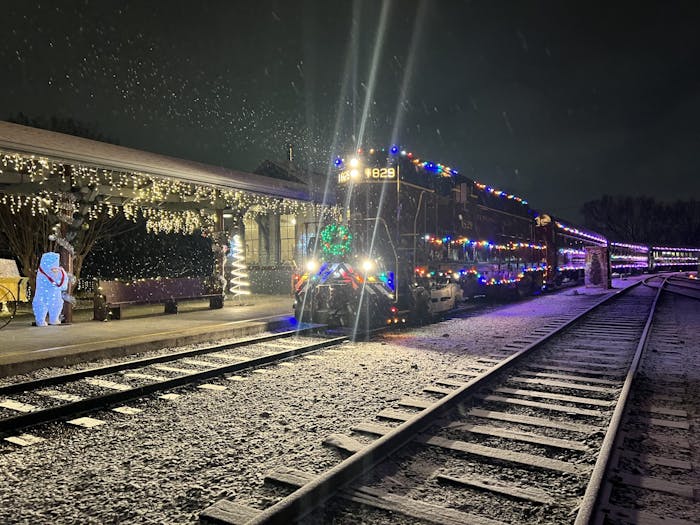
(238, 275)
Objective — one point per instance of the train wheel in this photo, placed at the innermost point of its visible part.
(347, 315)
(524, 287)
(301, 314)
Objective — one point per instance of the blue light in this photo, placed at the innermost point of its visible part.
(394, 149)
(388, 279)
(338, 162)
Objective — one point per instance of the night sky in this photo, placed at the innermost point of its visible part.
(559, 102)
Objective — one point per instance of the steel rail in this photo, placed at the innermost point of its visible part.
(30, 419)
(682, 285)
(590, 499)
(684, 293)
(315, 493)
(684, 281)
(136, 363)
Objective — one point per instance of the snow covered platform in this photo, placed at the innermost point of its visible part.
(24, 347)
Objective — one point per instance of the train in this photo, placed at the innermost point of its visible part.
(415, 238)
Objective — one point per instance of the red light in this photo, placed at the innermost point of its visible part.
(394, 309)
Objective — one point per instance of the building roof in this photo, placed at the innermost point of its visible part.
(59, 147)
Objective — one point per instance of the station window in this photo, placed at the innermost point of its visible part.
(252, 241)
(287, 238)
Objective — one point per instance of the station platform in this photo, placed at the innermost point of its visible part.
(24, 347)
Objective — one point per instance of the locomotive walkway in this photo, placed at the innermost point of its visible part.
(24, 347)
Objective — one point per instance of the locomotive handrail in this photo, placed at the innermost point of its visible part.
(415, 223)
(393, 249)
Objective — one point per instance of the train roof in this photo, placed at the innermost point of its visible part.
(433, 169)
(573, 230)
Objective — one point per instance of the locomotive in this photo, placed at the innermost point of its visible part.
(417, 237)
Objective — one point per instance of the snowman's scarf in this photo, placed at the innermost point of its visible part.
(51, 279)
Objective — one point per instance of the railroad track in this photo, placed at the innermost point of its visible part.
(682, 285)
(60, 397)
(652, 474)
(522, 439)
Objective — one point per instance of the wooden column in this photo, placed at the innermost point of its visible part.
(221, 239)
(66, 261)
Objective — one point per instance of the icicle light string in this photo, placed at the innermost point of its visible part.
(143, 196)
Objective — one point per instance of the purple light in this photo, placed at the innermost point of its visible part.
(631, 265)
(636, 247)
(671, 249)
(579, 233)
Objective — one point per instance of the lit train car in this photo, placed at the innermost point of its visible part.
(566, 250)
(486, 243)
(431, 237)
(667, 258)
(629, 259)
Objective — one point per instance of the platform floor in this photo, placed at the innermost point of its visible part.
(24, 347)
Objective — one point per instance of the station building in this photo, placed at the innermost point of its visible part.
(78, 182)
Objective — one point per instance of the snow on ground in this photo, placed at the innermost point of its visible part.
(168, 463)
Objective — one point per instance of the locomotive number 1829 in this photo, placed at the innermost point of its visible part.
(380, 173)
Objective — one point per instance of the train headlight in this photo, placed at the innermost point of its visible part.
(367, 265)
(312, 266)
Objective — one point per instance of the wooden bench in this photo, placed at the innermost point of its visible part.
(110, 296)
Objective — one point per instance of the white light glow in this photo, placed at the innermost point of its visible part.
(312, 266)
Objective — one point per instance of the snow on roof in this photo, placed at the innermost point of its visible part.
(61, 147)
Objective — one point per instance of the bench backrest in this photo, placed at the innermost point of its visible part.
(152, 290)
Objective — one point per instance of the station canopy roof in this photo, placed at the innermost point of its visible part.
(39, 168)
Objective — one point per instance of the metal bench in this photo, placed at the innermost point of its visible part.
(111, 296)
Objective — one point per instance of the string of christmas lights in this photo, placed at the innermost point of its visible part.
(434, 167)
(483, 244)
(586, 235)
(501, 279)
(238, 281)
(138, 194)
(634, 247)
